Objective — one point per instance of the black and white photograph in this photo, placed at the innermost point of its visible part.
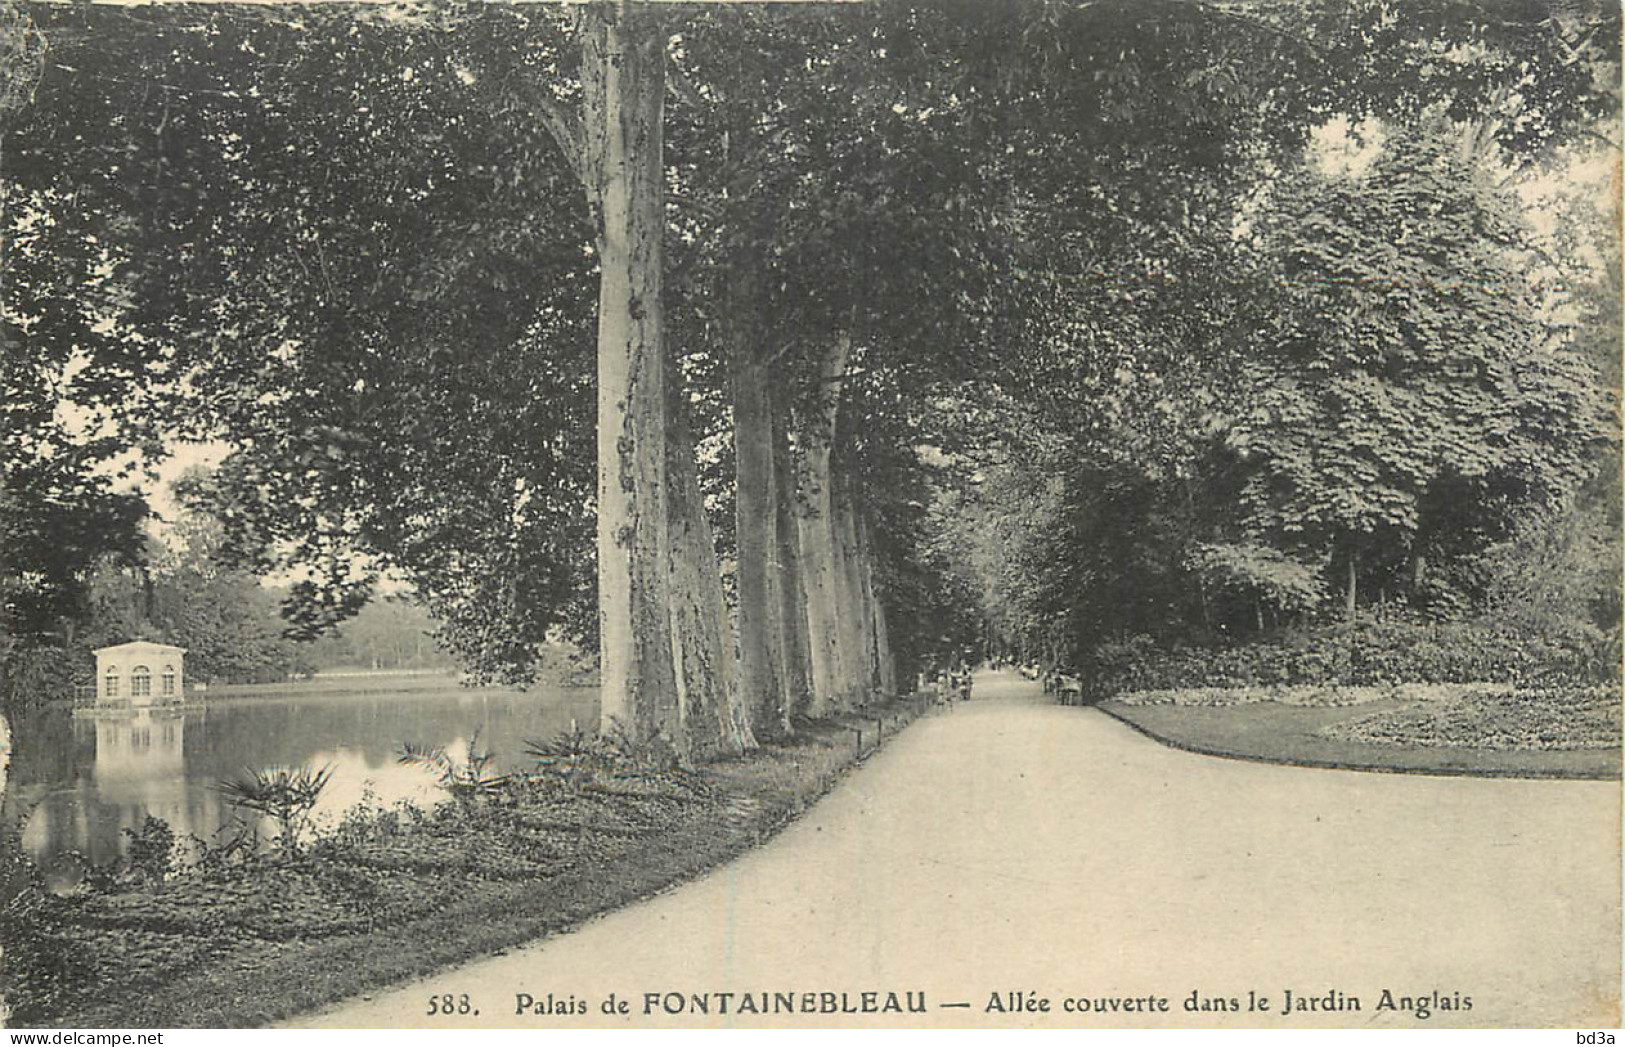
(881, 515)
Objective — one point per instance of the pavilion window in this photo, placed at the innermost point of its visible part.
(111, 685)
(169, 680)
(140, 682)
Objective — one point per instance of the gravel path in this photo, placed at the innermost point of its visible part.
(1010, 846)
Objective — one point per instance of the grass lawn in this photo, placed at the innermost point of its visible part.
(1281, 733)
(400, 894)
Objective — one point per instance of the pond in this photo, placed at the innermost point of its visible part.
(79, 781)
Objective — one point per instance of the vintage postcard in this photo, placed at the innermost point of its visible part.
(898, 514)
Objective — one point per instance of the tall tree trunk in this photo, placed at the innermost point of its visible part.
(885, 680)
(815, 520)
(756, 514)
(712, 719)
(1350, 591)
(623, 85)
(888, 661)
(857, 634)
(795, 670)
(815, 525)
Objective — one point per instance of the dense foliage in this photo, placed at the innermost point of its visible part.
(1372, 653)
(1177, 319)
(1099, 334)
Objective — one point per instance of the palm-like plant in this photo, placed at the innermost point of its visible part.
(466, 779)
(572, 756)
(287, 794)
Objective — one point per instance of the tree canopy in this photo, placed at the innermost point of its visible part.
(1032, 319)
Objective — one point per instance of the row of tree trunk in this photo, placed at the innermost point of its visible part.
(813, 637)
(812, 634)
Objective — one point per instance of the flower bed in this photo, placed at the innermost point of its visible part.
(1304, 696)
(1497, 719)
(1489, 730)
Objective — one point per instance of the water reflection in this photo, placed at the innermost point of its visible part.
(87, 780)
(139, 769)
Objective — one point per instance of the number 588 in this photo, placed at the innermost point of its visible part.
(446, 1003)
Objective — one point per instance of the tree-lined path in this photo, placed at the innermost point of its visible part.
(751, 360)
(1009, 844)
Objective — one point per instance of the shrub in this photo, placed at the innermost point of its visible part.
(1372, 653)
(214, 860)
(37, 675)
(43, 963)
(152, 849)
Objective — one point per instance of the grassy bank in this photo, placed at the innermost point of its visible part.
(383, 682)
(1465, 729)
(240, 939)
